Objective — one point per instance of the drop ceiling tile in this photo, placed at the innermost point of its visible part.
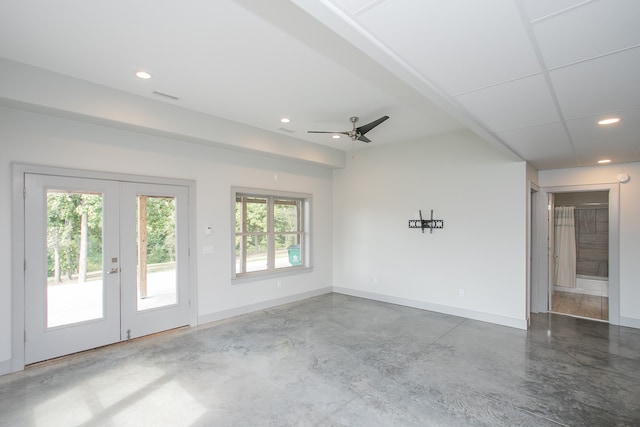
(588, 31)
(617, 151)
(599, 86)
(589, 156)
(537, 9)
(458, 45)
(605, 151)
(516, 104)
(619, 142)
(545, 146)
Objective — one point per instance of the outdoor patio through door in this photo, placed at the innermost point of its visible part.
(105, 261)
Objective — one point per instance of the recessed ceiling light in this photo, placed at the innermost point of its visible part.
(603, 161)
(285, 120)
(609, 121)
(335, 136)
(143, 75)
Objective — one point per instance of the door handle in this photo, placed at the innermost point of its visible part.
(114, 270)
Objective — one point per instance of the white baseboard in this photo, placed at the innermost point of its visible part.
(630, 322)
(238, 311)
(454, 311)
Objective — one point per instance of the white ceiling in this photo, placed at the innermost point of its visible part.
(533, 76)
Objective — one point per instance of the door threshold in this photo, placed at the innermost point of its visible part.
(578, 317)
(83, 352)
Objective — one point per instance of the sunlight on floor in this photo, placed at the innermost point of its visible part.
(76, 410)
(144, 397)
(168, 405)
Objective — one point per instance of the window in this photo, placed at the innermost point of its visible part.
(271, 232)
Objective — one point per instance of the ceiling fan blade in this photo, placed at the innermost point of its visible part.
(366, 128)
(323, 131)
(363, 138)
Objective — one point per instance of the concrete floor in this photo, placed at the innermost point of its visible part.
(339, 360)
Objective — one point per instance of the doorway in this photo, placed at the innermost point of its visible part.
(541, 290)
(106, 260)
(579, 222)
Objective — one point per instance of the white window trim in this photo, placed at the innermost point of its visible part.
(307, 252)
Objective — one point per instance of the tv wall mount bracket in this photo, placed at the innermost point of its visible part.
(426, 223)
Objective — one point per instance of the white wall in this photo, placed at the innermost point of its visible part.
(478, 192)
(629, 246)
(44, 140)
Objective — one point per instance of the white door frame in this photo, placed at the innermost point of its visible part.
(533, 260)
(18, 171)
(541, 289)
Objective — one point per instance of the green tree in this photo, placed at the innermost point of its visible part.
(285, 219)
(90, 212)
(61, 218)
(161, 230)
(67, 245)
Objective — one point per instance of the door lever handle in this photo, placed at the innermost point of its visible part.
(114, 270)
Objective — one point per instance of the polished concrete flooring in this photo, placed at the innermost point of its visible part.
(576, 304)
(336, 360)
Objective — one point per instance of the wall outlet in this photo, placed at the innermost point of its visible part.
(461, 292)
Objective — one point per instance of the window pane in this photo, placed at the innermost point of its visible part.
(288, 250)
(239, 214)
(286, 215)
(256, 219)
(157, 284)
(74, 261)
(256, 250)
(239, 262)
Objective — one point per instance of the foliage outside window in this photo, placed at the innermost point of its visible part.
(270, 233)
(74, 234)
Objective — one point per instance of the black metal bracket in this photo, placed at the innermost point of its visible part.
(426, 223)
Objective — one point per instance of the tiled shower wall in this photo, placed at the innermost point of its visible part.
(592, 241)
(592, 230)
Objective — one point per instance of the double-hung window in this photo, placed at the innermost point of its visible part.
(271, 232)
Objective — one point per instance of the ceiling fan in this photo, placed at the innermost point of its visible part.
(357, 133)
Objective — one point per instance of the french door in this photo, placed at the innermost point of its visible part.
(105, 261)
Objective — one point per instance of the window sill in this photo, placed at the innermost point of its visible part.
(257, 276)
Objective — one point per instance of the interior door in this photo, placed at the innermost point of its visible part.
(105, 261)
(67, 309)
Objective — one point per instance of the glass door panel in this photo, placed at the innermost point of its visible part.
(156, 252)
(74, 257)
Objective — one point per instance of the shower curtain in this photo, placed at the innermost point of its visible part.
(565, 246)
